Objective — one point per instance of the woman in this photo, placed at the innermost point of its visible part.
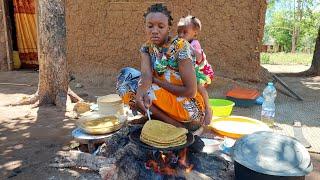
(167, 84)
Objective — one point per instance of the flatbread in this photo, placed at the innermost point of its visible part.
(159, 131)
(104, 122)
(178, 140)
(162, 135)
(166, 145)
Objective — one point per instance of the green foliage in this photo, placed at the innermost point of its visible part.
(281, 29)
(282, 17)
(308, 31)
(265, 58)
(286, 58)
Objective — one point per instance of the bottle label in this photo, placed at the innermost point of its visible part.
(267, 114)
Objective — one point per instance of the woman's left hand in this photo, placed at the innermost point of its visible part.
(207, 118)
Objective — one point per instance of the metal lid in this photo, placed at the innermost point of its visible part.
(272, 154)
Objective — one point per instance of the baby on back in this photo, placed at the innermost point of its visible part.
(188, 28)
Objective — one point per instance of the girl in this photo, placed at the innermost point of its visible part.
(188, 29)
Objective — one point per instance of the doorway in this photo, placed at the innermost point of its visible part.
(23, 31)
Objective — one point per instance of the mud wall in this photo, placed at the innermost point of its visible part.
(3, 47)
(104, 36)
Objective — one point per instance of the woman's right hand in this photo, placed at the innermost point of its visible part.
(147, 101)
(143, 102)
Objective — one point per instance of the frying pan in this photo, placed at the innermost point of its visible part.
(135, 138)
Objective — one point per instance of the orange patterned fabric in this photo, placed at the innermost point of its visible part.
(24, 6)
(25, 21)
(179, 108)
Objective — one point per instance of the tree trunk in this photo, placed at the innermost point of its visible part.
(315, 65)
(294, 39)
(296, 25)
(53, 86)
(53, 74)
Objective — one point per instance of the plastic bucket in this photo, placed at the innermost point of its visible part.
(110, 105)
(221, 107)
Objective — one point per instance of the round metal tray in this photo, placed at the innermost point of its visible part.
(84, 138)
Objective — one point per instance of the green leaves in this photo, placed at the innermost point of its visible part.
(285, 15)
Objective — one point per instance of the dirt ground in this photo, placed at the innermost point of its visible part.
(30, 138)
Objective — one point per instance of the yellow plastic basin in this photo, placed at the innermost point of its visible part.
(237, 126)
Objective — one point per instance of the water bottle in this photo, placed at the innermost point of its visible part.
(268, 106)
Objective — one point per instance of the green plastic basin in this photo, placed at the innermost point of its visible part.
(221, 107)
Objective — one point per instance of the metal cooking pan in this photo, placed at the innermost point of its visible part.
(270, 156)
(135, 138)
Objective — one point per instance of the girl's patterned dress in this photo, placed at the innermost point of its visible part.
(164, 62)
(204, 70)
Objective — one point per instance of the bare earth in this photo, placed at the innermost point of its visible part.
(30, 138)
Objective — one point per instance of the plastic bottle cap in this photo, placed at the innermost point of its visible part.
(270, 83)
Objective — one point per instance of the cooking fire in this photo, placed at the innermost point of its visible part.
(168, 163)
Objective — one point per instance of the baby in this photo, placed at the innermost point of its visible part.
(188, 28)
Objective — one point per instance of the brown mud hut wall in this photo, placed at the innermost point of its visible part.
(104, 36)
(3, 46)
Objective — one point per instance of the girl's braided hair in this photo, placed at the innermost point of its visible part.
(161, 9)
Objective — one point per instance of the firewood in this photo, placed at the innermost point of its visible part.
(63, 165)
(109, 173)
(81, 159)
(193, 175)
(16, 84)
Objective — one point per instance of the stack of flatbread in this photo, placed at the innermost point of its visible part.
(94, 123)
(162, 135)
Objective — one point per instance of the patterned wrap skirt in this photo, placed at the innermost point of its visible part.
(182, 109)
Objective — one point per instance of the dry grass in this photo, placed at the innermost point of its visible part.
(286, 58)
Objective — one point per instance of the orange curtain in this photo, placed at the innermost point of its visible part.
(25, 20)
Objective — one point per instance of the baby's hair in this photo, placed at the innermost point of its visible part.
(190, 20)
(182, 22)
(161, 9)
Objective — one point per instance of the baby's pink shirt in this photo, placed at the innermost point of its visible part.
(196, 46)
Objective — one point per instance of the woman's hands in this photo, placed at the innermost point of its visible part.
(207, 117)
(143, 101)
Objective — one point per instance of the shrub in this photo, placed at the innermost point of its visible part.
(264, 58)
